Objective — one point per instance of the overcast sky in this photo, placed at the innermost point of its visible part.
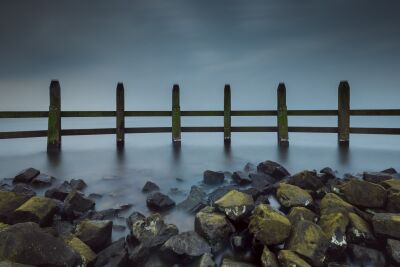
(152, 44)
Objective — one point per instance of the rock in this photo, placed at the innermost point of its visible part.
(24, 189)
(359, 231)
(10, 201)
(367, 256)
(262, 199)
(175, 191)
(273, 169)
(268, 259)
(205, 261)
(392, 184)
(114, 255)
(134, 217)
(308, 240)
(220, 192)
(387, 224)
(298, 214)
(226, 262)
(151, 232)
(107, 214)
(60, 192)
(269, 226)
(334, 225)
(390, 171)
(376, 177)
(393, 249)
(95, 196)
(150, 187)
(261, 182)
(159, 202)
(364, 194)
(13, 264)
(43, 180)
(307, 180)
(241, 241)
(213, 178)
(26, 176)
(292, 196)
(95, 234)
(194, 202)
(333, 202)
(3, 226)
(213, 227)
(328, 172)
(63, 228)
(37, 209)
(119, 228)
(27, 243)
(86, 253)
(250, 167)
(288, 258)
(185, 247)
(393, 202)
(76, 204)
(78, 184)
(156, 261)
(236, 205)
(241, 178)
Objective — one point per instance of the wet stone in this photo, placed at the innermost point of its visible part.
(205, 261)
(114, 255)
(24, 189)
(226, 262)
(308, 180)
(289, 258)
(95, 234)
(37, 209)
(76, 204)
(26, 176)
(241, 178)
(86, 253)
(273, 169)
(60, 192)
(213, 177)
(195, 201)
(78, 184)
(236, 205)
(367, 256)
(43, 180)
(150, 187)
(261, 182)
(268, 258)
(298, 214)
(159, 202)
(220, 192)
(364, 194)
(10, 201)
(292, 196)
(359, 231)
(387, 224)
(376, 177)
(393, 249)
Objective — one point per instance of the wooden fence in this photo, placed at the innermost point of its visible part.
(55, 131)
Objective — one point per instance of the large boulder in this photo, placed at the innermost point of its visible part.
(24, 189)
(393, 202)
(273, 169)
(393, 249)
(150, 187)
(268, 258)
(95, 234)
(292, 196)
(84, 251)
(235, 204)
(26, 176)
(297, 214)
(13, 264)
(10, 201)
(387, 224)
(308, 180)
(364, 194)
(376, 177)
(213, 178)
(289, 258)
(37, 209)
(262, 182)
(227, 262)
(392, 184)
(159, 202)
(269, 226)
(60, 192)
(75, 204)
(359, 231)
(204, 261)
(185, 247)
(114, 255)
(213, 227)
(195, 200)
(332, 202)
(334, 225)
(308, 240)
(241, 178)
(27, 243)
(43, 180)
(367, 256)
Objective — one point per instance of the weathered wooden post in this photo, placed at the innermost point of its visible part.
(176, 116)
(344, 113)
(282, 119)
(227, 114)
(120, 116)
(54, 119)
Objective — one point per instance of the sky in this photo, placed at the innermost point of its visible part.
(151, 44)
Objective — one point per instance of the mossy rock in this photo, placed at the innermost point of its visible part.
(307, 180)
(13, 264)
(308, 240)
(393, 203)
(269, 226)
(236, 205)
(204, 261)
(334, 226)
(226, 262)
(392, 184)
(293, 196)
(94, 233)
(3, 226)
(37, 209)
(289, 258)
(387, 224)
(86, 253)
(332, 202)
(213, 227)
(364, 194)
(268, 258)
(393, 249)
(297, 214)
(10, 201)
(359, 231)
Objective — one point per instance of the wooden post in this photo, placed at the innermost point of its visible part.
(176, 116)
(54, 119)
(344, 113)
(120, 118)
(227, 114)
(282, 119)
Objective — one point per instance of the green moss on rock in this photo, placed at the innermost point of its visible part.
(268, 258)
(292, 196)
(288, 258)
(269, 226)
(359, 231)
(86, 253)
(236, 205)
(332, 202)
(297, 214)
(334, 226)
(95, 233)
(37, 209)
(392, 184)
(364, 194)
(10, 201)
(387, 224)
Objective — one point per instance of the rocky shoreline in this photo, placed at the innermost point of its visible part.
(322, 220)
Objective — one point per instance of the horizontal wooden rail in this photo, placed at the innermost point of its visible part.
(23, 134)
